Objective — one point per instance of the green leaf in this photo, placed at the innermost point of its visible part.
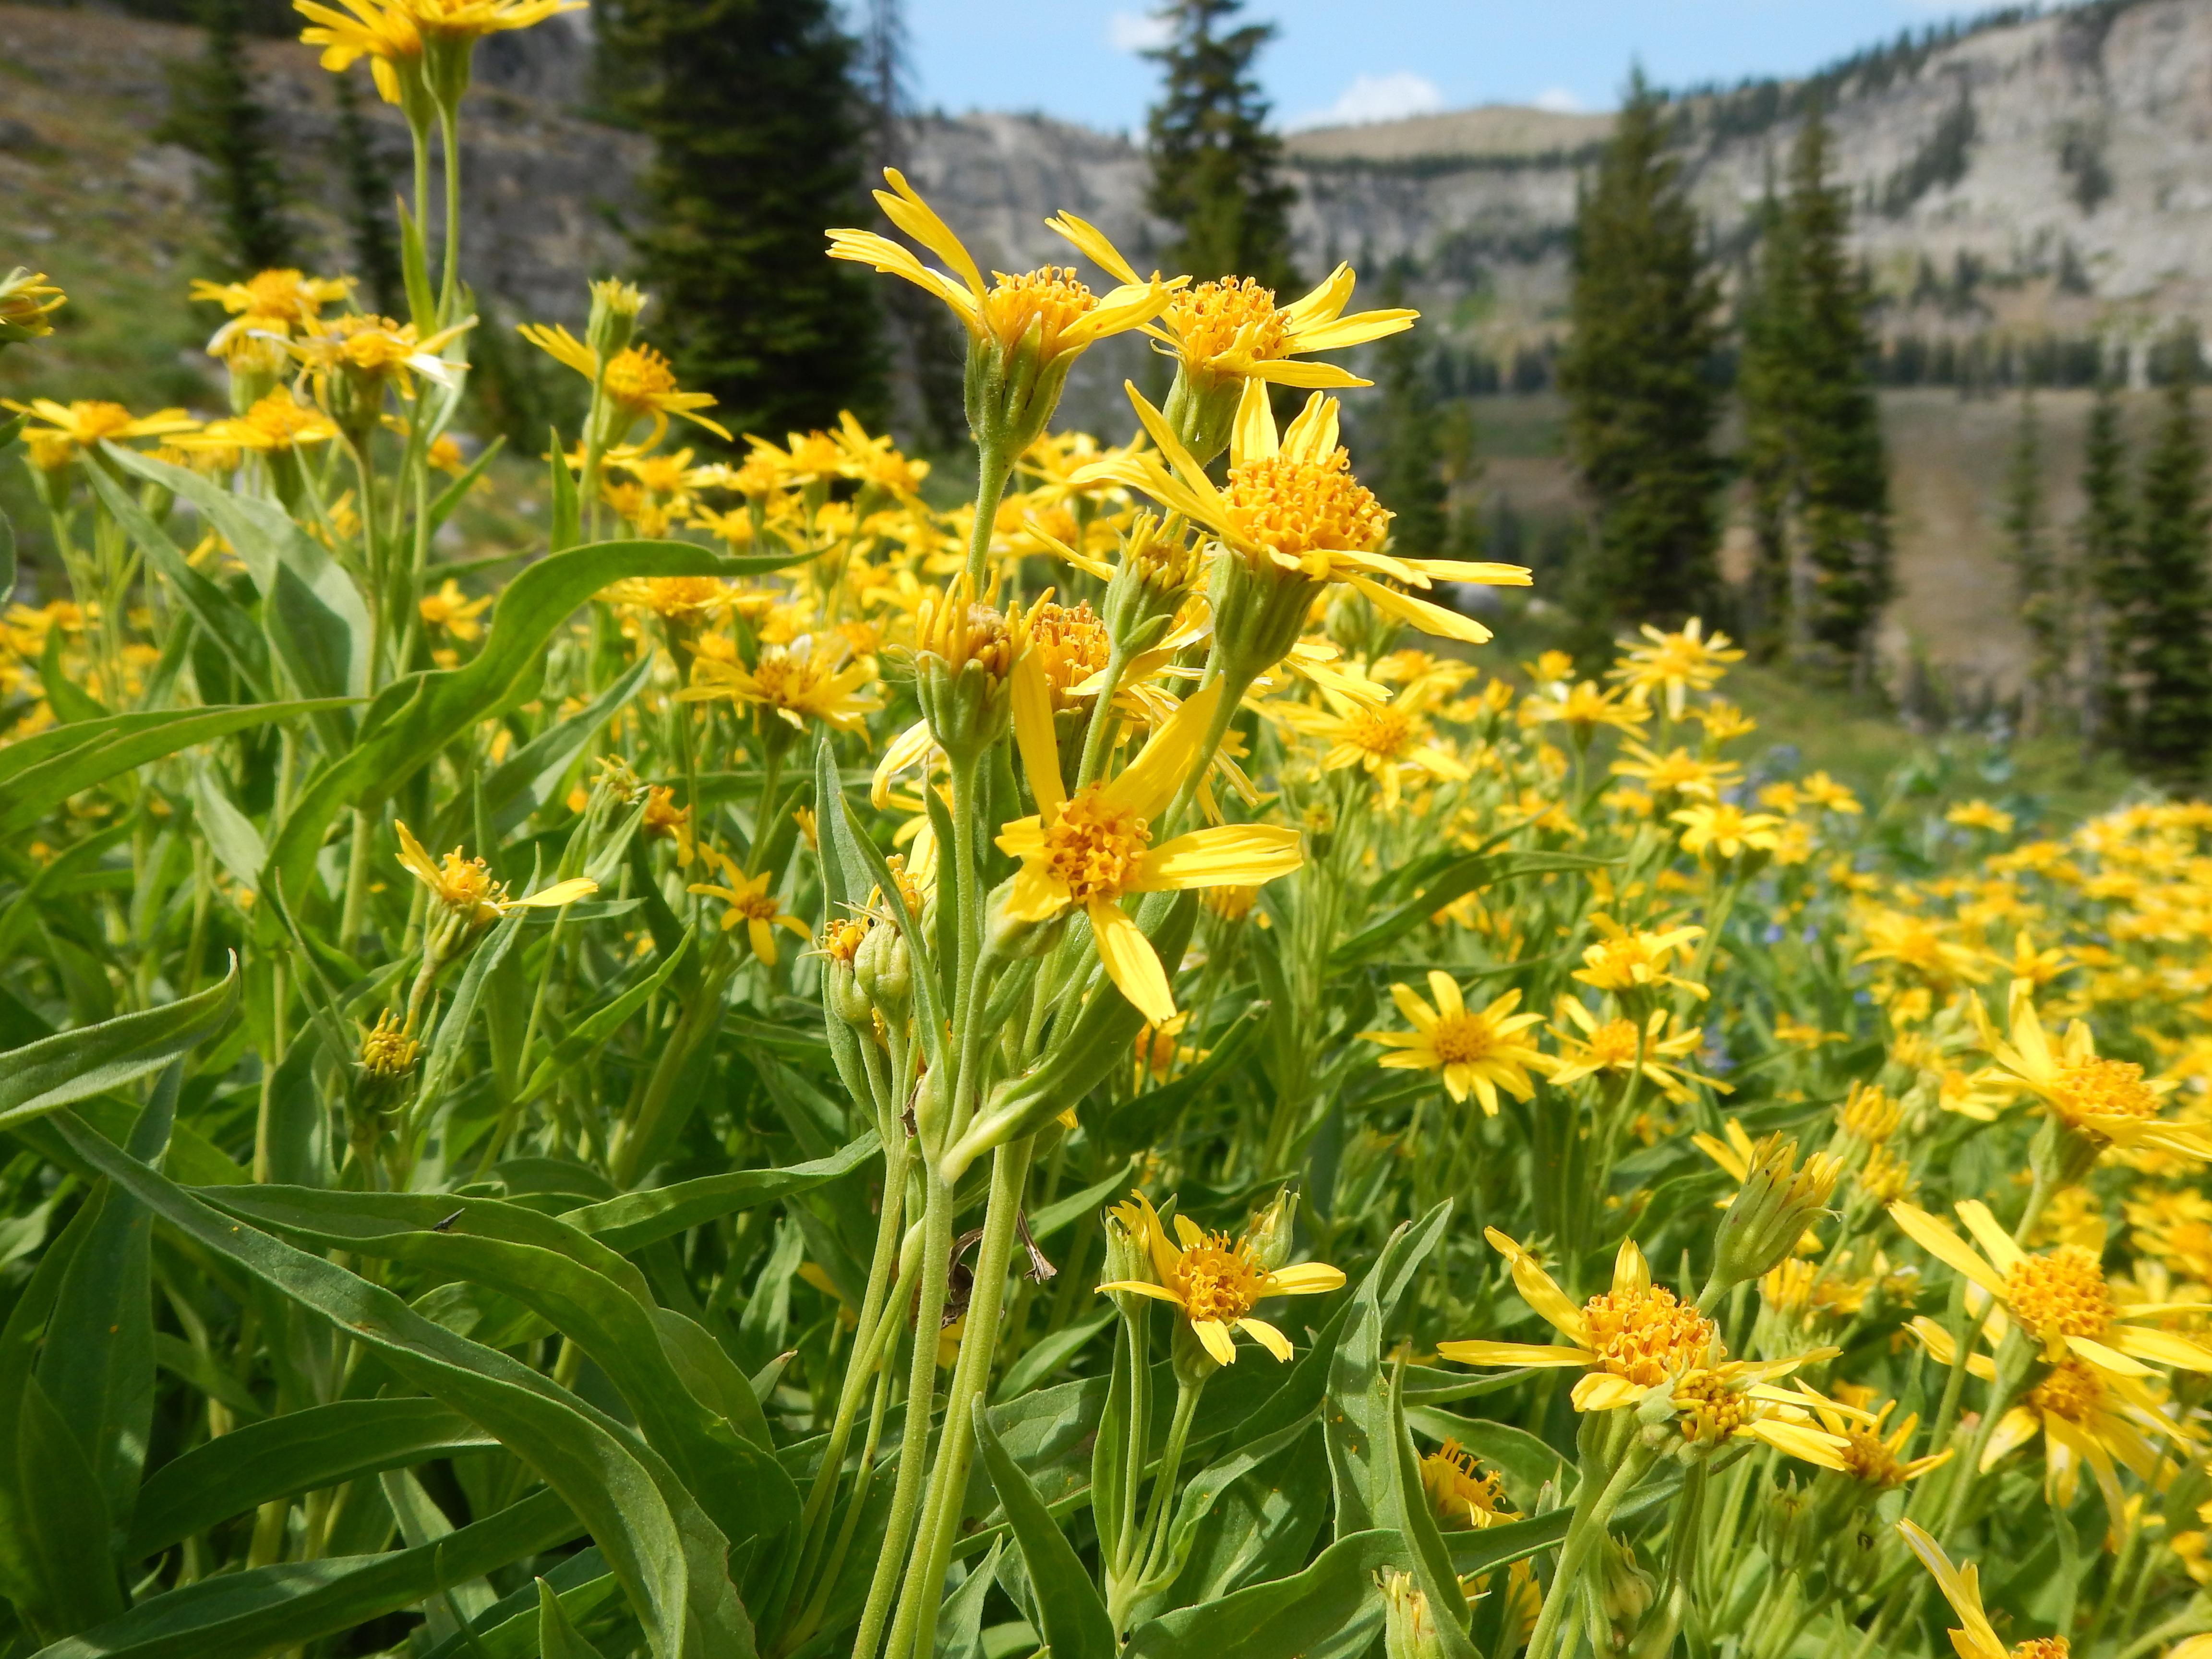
(556, 1637)
(74, 1066)
(7, 554)
(525, 780)
(455, 493)
(416, 717)
(239, 1615)
(635, 1221)
(41, 772)
(1196, 1507)
(1076, 1626)
(1330, 1611)
(69, 1522)
(583, 1289)
(284, 1456)
(229, 834)
(313, 614)
(960, 1622)
(225, 621)
(671, 1560)
(1360, 1450)
(591, 1032)
(1466, 876)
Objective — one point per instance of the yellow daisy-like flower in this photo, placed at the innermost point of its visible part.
(1386, 740)
(1291, 504)
(1716, 1404)
(1232, 328)
(1870, 1455)
(453, 610)
(1980, 815)
(674, 599)
(1675, 663)
(1585, 707)
(810, 679)
(374, 350)
(27, 301)
(277, 423)
(67, 429)
(1961, 1588)
(1066, 316)
(1677, 772)
(391, 33)
(1634, 960)
(639, 382)
(1723, 830)
(1088, 850)
(1482, 1051)
(1462, 1497)
(2108, 1101)
(752, 905)
(1629, 1339)
(281, 302)
(1610, 1047)
(464, 887)
(1216, 1281)
(2058, 1297)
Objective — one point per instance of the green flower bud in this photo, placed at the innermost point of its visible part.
(1269, 1235)
(885, 968)
(1408, 1631)
(615, 307)
(1778, 1201)
(964, 654)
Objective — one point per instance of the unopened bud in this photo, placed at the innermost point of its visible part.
(1408, 1630)
(1269, 1235)
(615, 307)
(1778, 1201)
(885, 967)
(1625, 1593)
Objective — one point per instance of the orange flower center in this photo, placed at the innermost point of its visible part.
(1049, 299)
(1871, 1459)
(1614, 1043)
(1382, 733)
(1461, 1497)
(387, 1052)
(1217, 1279)
(1296, 508)
(1094, 847)
(1708, 1410)
(2072, 1391)
(1464, 1038)
(638, 378)
(755, 906)
(840, 938)
(463, 884)
(2062, 1293)
(2041, 1647)
(2102, 1088)
(1646, 1336)
(91, 421)
(1235, 314)
(1071, 644)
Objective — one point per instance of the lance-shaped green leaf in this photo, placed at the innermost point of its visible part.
(72, 1065)
(590, 1033)
(672, 1560)
(583, 1289)
(1076, 1624)
(241, 1615)
(284, 1456)
(558, 1639)
(1330, 1611)
(227, 622)
(414, 718)
(41, 772)
(635, 1221)
(525, 779)
(1361, 1451)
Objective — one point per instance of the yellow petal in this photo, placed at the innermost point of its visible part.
(1213, 1337)
(2014, 1430)
(1229, 854)
(1435, 619)
(1265, 1335)
(1602, 1391)
(1132, 964)
(1033, 735)
(1143, 1287)
(1417, 1013)
(1446, 989)
(1996, 1243)
(1514, 1353)
(904, 207)
(559, 893)
(1253, 437)
(1305, 374)
(1150, 781)
(1094, 244)
(1304, 1278)
(1312, 434)
(1945, 1245)
(1351, 330)
(2164, 1346)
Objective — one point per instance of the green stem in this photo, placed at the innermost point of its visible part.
(993, 466)
(1583, 1533)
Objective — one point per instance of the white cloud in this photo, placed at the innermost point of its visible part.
(1378, 97)
(1138, 31)
(1559, 101)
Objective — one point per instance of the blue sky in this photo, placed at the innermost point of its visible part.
(1374, 59)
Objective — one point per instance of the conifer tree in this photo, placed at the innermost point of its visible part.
(1820, 467)
(368, 186)
(758, 129)
(2035, 572)
(1410, 482)
(1215, 164)
(2165, 639)
(2104, 544)
(1642, 402)
(1765, 368)
(214, 113)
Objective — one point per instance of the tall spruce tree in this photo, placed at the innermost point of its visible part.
(2104, 544)
(2036, 581)
(1411, 480)
(1766, 370)
(1642, 399)
(214, 113)
(2165, 636)
(758, 128)
(368, 186)
(1814, 443)
(1216, 168)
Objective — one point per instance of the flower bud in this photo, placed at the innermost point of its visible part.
(615, 307)
(1408, 1631)
(1778, 1202)
(964, 654)
(1269, 1235)
(885, 967)
(1149, 583)
(844, 994)
(1259, 612)
(1202, 416)
(1625, 1592)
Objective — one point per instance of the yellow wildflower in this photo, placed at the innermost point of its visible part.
(1216, 1281)
(1480, 1051)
